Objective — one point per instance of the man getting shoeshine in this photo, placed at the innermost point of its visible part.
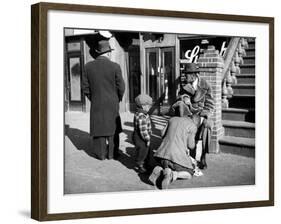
(201, 99)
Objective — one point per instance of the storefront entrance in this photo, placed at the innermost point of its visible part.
(160, 74)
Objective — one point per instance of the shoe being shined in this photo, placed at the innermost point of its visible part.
(167, 179)
(155, 174)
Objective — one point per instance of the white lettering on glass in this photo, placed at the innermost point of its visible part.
(223, 49)
(192, 55)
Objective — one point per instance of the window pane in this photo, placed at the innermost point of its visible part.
(152, 71)
(74, 46)
(75, 79)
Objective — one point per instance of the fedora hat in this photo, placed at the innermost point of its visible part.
(192, 68)
(103, 47)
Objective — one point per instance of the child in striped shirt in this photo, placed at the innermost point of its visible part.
(142, 130)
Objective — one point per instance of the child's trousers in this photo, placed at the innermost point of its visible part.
(142, 149)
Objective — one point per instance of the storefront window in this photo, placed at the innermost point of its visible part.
(190, 48)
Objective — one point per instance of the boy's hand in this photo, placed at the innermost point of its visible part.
(147, 144)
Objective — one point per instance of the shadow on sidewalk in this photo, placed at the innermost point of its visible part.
(128, 157)
(80, 139)
(83, 141)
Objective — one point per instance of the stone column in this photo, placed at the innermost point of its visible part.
(211, 66)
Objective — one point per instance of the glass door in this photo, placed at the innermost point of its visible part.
(74, 97)
(167, 74)
(160, 74)
(152, 81)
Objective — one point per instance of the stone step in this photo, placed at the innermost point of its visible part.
(242, 101)
(249, 59)
(247, 68)
(244, 89)
(245, 78)
(234, 114)
(251, 44)
(238, 114)
(237, 145)
(239, 128)
(251, 39)
(250, 51)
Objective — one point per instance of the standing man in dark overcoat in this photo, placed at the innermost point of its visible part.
(103, 84)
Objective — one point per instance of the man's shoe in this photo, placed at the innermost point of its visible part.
(116, 154)
(155, 174)
(167, 179)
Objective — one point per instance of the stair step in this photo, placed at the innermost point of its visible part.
(238, 124)
(242, 101)
(250, 51)
(234, 114)
(247, 68)
(239, 114)
(249, 56)
(246, 78)
(251, 39)
(244, 95)
(238, 146)
(250, 47)
(249, 59)
(247, 89)
(251, 44)
(247, 65)
(239, 128)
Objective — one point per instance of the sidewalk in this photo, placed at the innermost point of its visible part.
(85, 174)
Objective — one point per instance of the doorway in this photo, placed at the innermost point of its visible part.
(74, 67)
(160, 74)
(134, 74)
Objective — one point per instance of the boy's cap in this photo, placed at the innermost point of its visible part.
(143, 99)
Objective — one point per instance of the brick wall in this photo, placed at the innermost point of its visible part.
(211, 65)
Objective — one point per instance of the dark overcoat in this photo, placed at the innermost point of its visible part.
(103, 84)
(202, 98)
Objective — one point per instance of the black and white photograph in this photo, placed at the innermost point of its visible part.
(150, 111)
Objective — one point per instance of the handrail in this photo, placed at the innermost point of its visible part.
(229, 54)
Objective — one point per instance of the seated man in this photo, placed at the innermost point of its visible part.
(202, 105)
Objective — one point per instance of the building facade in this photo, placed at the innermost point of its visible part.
(152, 63)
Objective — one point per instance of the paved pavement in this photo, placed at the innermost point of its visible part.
(86, 174)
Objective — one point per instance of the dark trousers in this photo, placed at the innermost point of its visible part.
(102, 150)
(165, 163)
(141, 148)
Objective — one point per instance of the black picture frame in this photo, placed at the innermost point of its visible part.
(39, 108)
